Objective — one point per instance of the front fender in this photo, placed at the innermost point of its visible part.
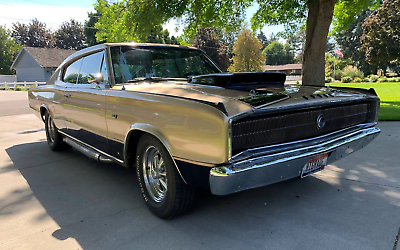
(149, 129)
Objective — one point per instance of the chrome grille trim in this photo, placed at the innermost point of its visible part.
(258, 132)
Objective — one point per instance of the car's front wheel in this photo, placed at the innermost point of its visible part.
(164, 191)
(54, 138)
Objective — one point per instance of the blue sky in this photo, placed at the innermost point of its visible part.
(53, 13)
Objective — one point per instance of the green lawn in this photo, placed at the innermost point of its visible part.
(388, 92)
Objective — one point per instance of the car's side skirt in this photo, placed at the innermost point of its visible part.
(85, 145)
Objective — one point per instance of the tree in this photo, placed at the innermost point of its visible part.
(381, 34)
(278, 54)
(70, 36)
(247, 53)
(265, 41)
(34, 34)
(159, 35)
(207, 40)
(350, 44)
(228, 37)
(297, 41)
(90, 31)
(134, 18)
(8, 51)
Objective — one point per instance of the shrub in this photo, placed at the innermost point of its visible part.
(357, 80)
(366, 79)
(393, 79)
(373, 78)
(352, 72)
(346, 79)
(338, 74)
(328, 80)
(382, 79)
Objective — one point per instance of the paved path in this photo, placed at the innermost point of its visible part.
(64, 200)
(13, 102)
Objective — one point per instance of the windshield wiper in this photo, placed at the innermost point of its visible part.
(155, 79)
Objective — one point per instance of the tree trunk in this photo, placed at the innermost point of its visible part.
(320, 13)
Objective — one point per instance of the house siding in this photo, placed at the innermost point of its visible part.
(29, 70)
(31, 75)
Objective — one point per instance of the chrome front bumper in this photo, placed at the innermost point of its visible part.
(263, 166)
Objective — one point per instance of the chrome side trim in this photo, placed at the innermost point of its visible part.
(254, 152)
(86, 151)
(195, 162)
(92, 148)
(229, 139)
(276, 167)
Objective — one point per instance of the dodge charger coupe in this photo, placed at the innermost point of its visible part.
(170, 113)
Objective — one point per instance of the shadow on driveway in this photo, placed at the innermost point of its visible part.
(100, 205)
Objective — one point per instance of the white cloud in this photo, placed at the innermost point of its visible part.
(53, 16)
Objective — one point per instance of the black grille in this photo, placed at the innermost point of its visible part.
(256, 132)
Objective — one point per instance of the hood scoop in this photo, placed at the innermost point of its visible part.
(241, 81)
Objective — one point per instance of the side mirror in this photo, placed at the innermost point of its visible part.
(99, 78)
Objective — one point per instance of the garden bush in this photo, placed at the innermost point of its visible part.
(366, 79)
(328, 80)
(373, 78)
(346, 79)
(382, 79)
(338, 75)
(357, 80)
(352, 72)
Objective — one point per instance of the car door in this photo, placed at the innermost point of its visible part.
(85, 100)
(57, 109)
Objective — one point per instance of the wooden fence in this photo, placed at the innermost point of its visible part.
(20, 85)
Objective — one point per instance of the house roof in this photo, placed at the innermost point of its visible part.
(46, 57)
(282, 67)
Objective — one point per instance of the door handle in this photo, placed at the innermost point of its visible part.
(67, 95)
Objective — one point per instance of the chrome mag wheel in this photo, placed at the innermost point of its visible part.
(155, 174)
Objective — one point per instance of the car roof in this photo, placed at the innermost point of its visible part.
(151, 45)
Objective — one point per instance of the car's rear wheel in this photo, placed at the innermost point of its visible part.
(164, 191)
(54, 138)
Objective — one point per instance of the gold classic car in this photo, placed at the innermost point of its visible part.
(172, 114)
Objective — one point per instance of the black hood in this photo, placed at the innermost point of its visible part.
(241, 81)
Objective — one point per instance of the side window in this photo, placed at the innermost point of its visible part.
(104, 70)
(72, 72)
(91, 66)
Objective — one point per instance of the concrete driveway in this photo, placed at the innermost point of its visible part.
(64, 200)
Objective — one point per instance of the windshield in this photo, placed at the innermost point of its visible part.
(132, 63)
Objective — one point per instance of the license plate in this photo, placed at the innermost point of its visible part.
(314, 165)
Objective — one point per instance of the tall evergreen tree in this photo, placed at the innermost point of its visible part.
(159, 35)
